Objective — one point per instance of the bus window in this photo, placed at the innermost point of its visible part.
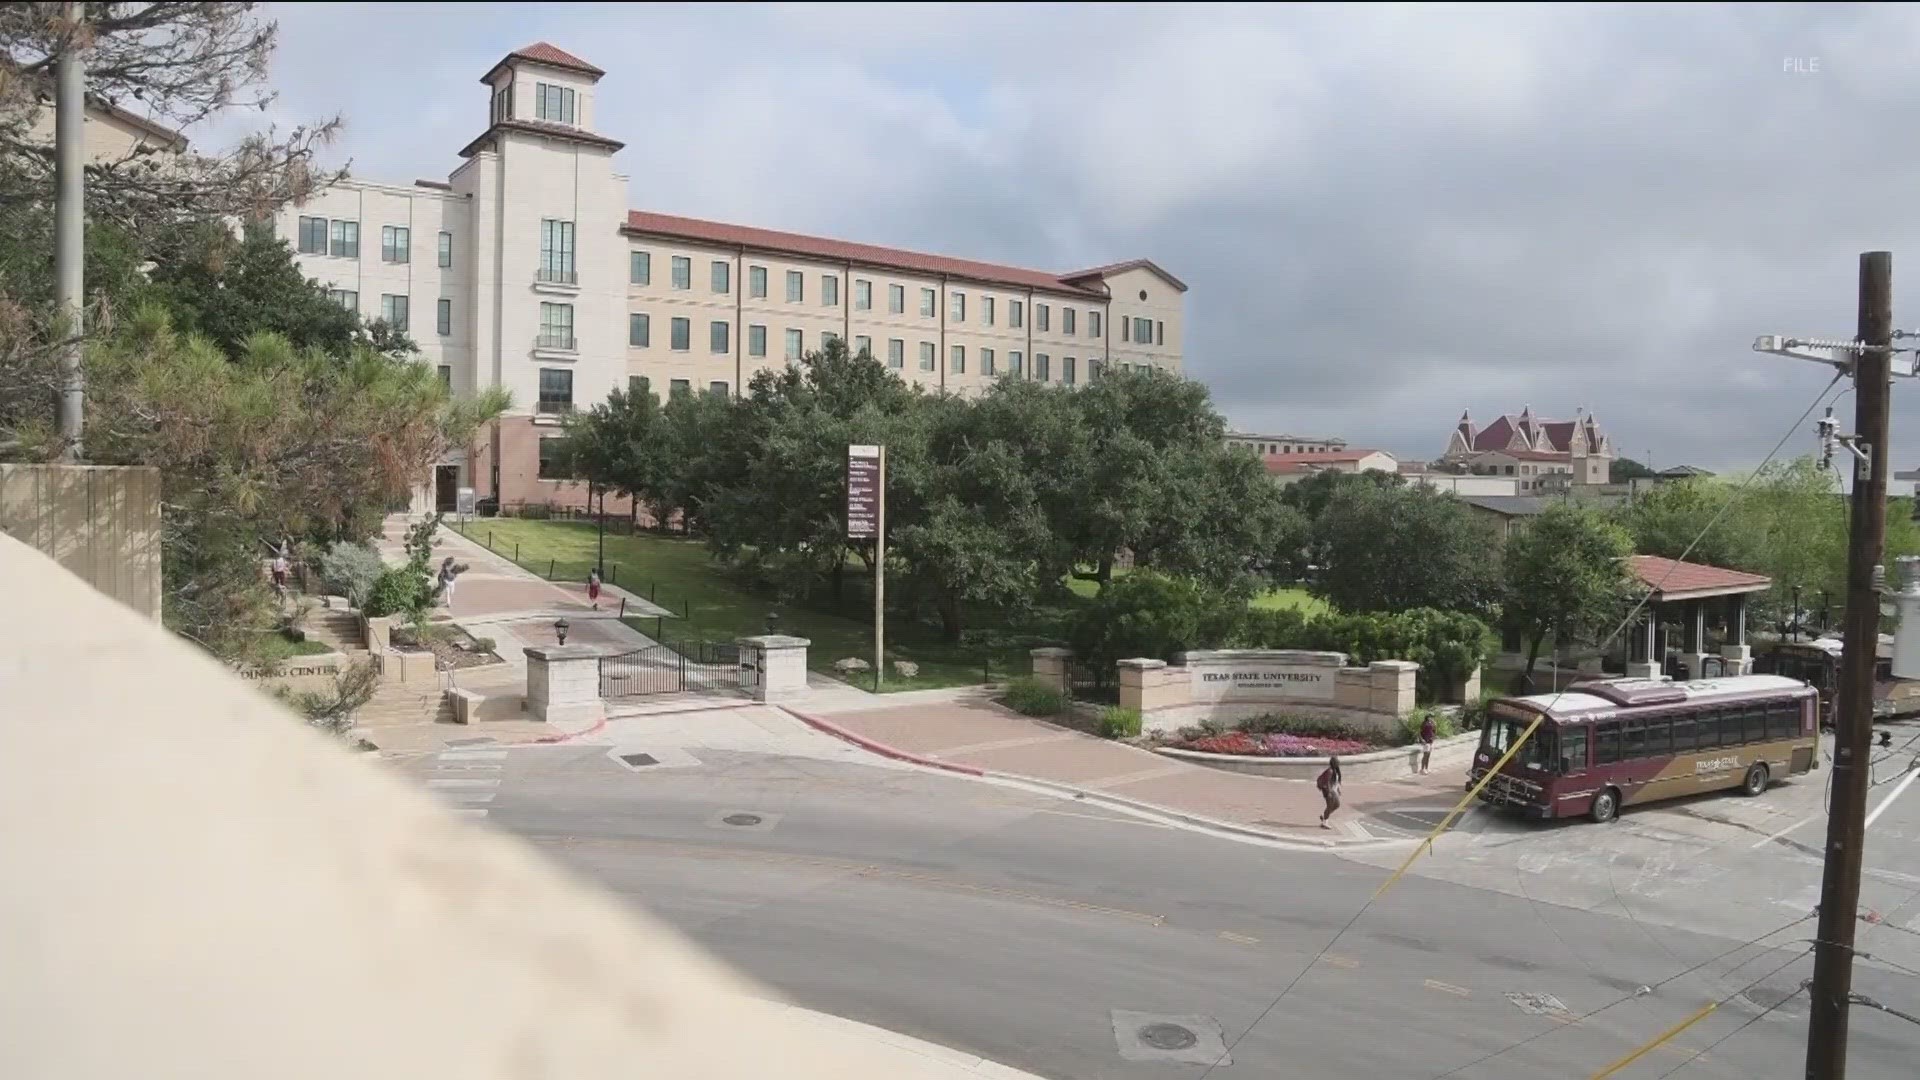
(1633, 739)
(1756, 723)
(1684, 737)
(1606, 744)
(1783, 720)
(1573, 750)
(1659, 736)
(1731, 733)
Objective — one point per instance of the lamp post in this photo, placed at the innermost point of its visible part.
(560, 628)
(773, 622)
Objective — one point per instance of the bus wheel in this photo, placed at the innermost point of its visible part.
(1606, 806)
(1756, 781)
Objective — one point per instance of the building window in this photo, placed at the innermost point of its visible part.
(958, 360)
(556, 390)
(396, 243)
(926, 356)
(1066, 321)
(862, 295)
(897, 299)
(680, 335)
(1016, 364)
(679, 388)
(503, 103)
(795, 344)
(986, 362)
(393, 309)
(959, 307)
(717, 389)
(345, 240)
(556, 251)
(1159, 332)
(446, 250)
(639, 330)
(1095, 369)
(553, 103)
(796, 286)
(1042, 367)
(1093, 325)
(896, 353)
(757, 282)
(556, 326)
(639, 268)
(313, 236)
(928, 298)
(986, 310)
(1066, 370)
(1143, 331)
(346, 298)
(682, 272)
(862, 345)
(443, 316)
(1016, 313)
(756, 341)
(722, 275)
(638, 386)
(829, 291)
(550, 452)
(718, 341)
(1042, 317)
(446, 377)
(1126, 334)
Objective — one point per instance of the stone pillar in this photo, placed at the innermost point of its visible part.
(1050, 667)
(780, 665)
(1470, 687)
(563, 683)
(1133, 677)
(1738, 631)
(1647, 670)
(1390, 686)
(1652, 655)
(1695, 656)
(1739, 659)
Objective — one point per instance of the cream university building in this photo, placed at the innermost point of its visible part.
(526, 269)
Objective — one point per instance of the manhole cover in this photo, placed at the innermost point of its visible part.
(638, 760)
(742, 819)
(1538, 1004)
(1167, 1037)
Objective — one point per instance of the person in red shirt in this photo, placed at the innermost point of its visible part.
(1427, 734)
(593, 588)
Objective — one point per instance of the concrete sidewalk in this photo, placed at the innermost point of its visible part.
(977, 736)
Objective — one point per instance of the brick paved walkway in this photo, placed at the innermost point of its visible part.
(984, 736)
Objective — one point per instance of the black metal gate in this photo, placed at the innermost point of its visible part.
(703, 666)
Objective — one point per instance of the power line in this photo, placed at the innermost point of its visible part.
(1641, 992)
(1755, 1018)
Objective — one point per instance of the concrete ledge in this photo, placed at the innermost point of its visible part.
(1162, 721)
(465, 704)
(1390, 764)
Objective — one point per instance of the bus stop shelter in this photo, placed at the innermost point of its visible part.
(1693, 596)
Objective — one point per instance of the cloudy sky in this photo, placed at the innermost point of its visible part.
(1386, 215)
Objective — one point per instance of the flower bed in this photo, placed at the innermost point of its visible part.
(1277, 744)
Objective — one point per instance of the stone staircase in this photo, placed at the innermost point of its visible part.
(336, 625)
(400, 703)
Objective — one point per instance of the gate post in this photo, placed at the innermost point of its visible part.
(563, 684)
(777, 666)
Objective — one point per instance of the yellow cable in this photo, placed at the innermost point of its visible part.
(1664, 1037)
(1473, 793)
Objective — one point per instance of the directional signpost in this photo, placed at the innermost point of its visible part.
(867, 518)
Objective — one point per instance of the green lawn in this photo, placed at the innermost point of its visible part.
(1280, 599)
(713, 605)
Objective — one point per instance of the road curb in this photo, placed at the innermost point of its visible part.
(880, 748)
(1084, 794)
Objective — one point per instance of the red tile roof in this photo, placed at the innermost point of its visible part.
(1530, 455)
(1130, 264)
(714, 232)
(542, 127)
(542, 53)
(1673, 579)
(1282, 464)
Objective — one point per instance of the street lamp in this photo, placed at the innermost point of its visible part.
(773, 622)
(560, 627)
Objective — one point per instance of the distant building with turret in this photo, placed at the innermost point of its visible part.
(1541, 455)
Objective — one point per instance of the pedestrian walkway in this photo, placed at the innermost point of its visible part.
(977, 735)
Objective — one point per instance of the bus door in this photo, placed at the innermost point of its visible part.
(1645, 752)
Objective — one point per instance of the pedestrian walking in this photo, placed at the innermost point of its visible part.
(448, 572)
(1427, 734)
(1329, 784)
(593, 588)
(281, 570)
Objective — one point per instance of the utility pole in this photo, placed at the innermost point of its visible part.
(69, 225)
(1853, 722)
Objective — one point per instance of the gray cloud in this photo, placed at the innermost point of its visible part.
(1386, 213)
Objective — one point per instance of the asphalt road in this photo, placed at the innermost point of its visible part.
(1047, 934)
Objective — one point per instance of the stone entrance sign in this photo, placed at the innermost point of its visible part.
(1251, 675)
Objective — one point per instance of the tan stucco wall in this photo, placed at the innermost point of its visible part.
(102, 523)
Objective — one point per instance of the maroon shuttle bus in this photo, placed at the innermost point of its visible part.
(1617, 742)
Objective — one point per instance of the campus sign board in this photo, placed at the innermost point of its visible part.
(863, 492)
(1230, 675)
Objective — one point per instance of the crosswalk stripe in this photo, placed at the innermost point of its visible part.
(470, 811)
(1448, 988)
(1340, 961)
(474, 755)
(461, 783)
(469, 796)
(1243, 939)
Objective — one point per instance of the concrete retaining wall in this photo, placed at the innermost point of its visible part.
(1227, 685)
(1390, 764)
(310, 674)
(101, 523)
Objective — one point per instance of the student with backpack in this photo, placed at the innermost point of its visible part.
(1427, 734)
(1329, 784)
